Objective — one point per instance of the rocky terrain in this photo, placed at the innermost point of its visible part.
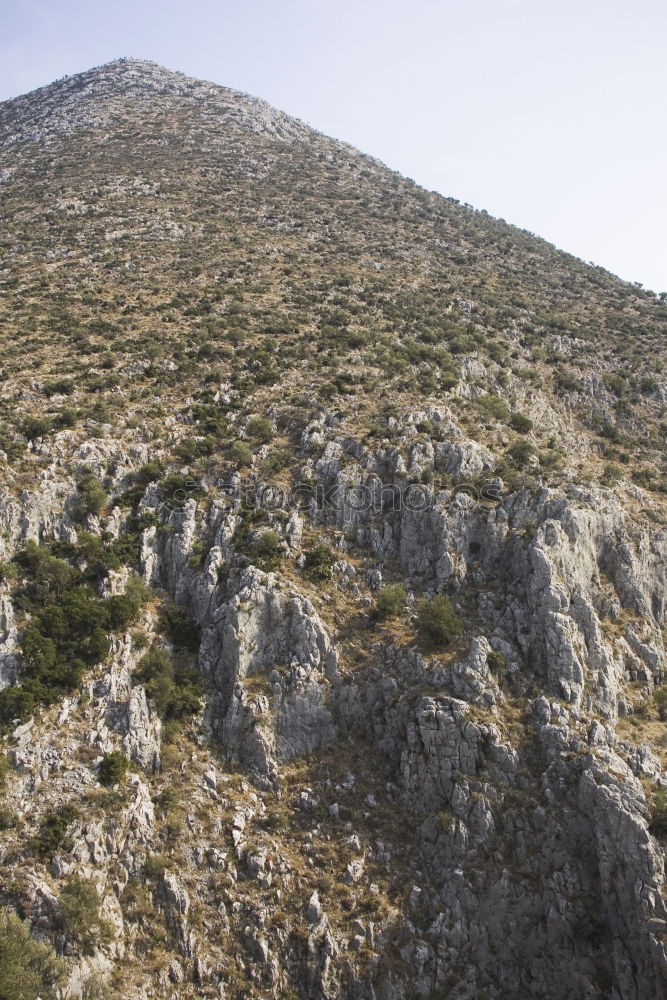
(333, 573)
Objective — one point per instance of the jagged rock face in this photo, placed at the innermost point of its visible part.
(567, 563)
(342, 810)
(266, 631)
(9, 646)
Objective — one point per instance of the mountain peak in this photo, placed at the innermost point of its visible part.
(128, 85)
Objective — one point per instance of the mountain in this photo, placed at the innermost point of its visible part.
(333, 573)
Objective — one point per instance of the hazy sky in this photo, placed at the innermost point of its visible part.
(548, 114)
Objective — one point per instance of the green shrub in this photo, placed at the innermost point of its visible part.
(610, 431)
(113, 768)
(521, 423)
(551, 459)
(67, 631)
(493, 406)
(67, 417)
(140, 640)
(449, 380)
(658, 818)
(150, 472)
(390, 602)
(275, 462)
(496, 662)
(266, 551)
(660, 699)
(566, 382)
(260, 428)
(52, 836)
(36, 427)
(59, 387)
(178, 489)
(124, 608)
(521, 452)
(29, 969)
(174, 689)
(155, 866)
(615, 383)
(168, 799)
(611, 473)
(5, 770)
(191, 449)
(649, 384)
(8, 817)
(437, 622)
(181, 628)
(91, 499)
(319, 563)
(15, 704)
(276, 822)
(79, 904)
(239, 454)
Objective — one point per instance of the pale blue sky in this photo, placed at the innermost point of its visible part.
(548, 113)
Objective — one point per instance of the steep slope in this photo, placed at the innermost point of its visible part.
(333, 586)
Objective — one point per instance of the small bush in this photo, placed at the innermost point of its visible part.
(8, 817)
(52, 836)
(610, 431)
(446, 820)
(60, 387)
(319, 563)
(68, 627)
(648, 385)
(15, 704)
(91, 499)
(493, 406)
(611, 473)
(658, 821)
(175, 690)
(260, 428)
(496, 662)
(275, 462)
(80, 914)
(181, 628)
(437, 622)
(239, 454)
(276, 822)
(5, 770)
(113, 768)
(67, 417)
(566, 382)
(168, 799)
(266, 551)
(390, 602)
(615, 383)
(178, 489)
(660, 699)
(521, 423)
(29, 969)
(155, 866)
(36, 427)
(521, 452)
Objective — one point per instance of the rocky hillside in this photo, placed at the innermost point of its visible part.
(333, 573)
